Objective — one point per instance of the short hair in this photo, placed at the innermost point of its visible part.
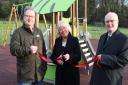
(62, 23)
(28, 8)
(112, 15)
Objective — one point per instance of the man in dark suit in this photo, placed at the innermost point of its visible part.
(113, 54)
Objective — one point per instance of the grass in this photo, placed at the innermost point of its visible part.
(6, 32)
(96, 31)
(50, 73)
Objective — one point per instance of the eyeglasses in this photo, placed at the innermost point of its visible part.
(110, 21)
(29, 16)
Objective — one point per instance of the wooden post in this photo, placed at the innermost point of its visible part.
(37, 20)
(57, 17)
(85, 17)
(16, 20)
(50, 38)
(61, 15)
(45, 23)
(8, 28)
(53, 29)
(72, 12)
(77, 23)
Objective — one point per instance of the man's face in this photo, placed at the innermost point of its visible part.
(111, 22)
(29, 18)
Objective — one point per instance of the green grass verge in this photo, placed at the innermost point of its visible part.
(96, 32)
(50, 73)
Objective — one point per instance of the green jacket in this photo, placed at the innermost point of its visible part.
(30, 67)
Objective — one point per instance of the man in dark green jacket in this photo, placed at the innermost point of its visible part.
(25, 42)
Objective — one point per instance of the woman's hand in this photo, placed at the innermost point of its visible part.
(66, 57)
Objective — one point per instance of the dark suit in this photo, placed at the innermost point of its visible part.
(114, 57)
(67, 74)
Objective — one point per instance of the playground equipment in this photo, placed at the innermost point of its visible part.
(49, 6)
(14, 13)
(53, 6)
(56, 7)
(87, 50)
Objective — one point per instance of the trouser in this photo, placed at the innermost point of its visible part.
(34, 83)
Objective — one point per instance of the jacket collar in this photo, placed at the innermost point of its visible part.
(28, 29)
(109, 42)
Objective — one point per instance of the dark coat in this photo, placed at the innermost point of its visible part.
(30, 67)
(114, 58)
(67, 74)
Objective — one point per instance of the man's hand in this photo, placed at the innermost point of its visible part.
(99, 56)
(34, 49)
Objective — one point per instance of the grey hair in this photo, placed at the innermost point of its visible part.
(62, 23)
(115, 16)
(28, 8)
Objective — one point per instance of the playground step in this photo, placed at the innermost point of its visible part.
(87, 52)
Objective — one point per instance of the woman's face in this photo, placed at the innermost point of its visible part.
(63, 31)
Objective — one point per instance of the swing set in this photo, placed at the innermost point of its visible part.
(17, 19)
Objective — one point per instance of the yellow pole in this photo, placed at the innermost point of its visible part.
(8, 28)
(73, 24)
(61, 15)
(16, 20)
(45, 22)
(53, 29)
(37, 20)
(85, 17)
(77, 23)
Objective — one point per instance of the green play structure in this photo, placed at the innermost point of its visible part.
(56, 8)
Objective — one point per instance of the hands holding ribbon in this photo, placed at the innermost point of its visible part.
(99, 56)
(34, 49)
(66, 57)
(60, 60)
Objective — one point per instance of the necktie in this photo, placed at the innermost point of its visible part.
(108, 37)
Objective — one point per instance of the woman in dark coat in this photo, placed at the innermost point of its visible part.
(66, 47)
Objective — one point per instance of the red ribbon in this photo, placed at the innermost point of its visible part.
(44, 57)
(95, 59)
